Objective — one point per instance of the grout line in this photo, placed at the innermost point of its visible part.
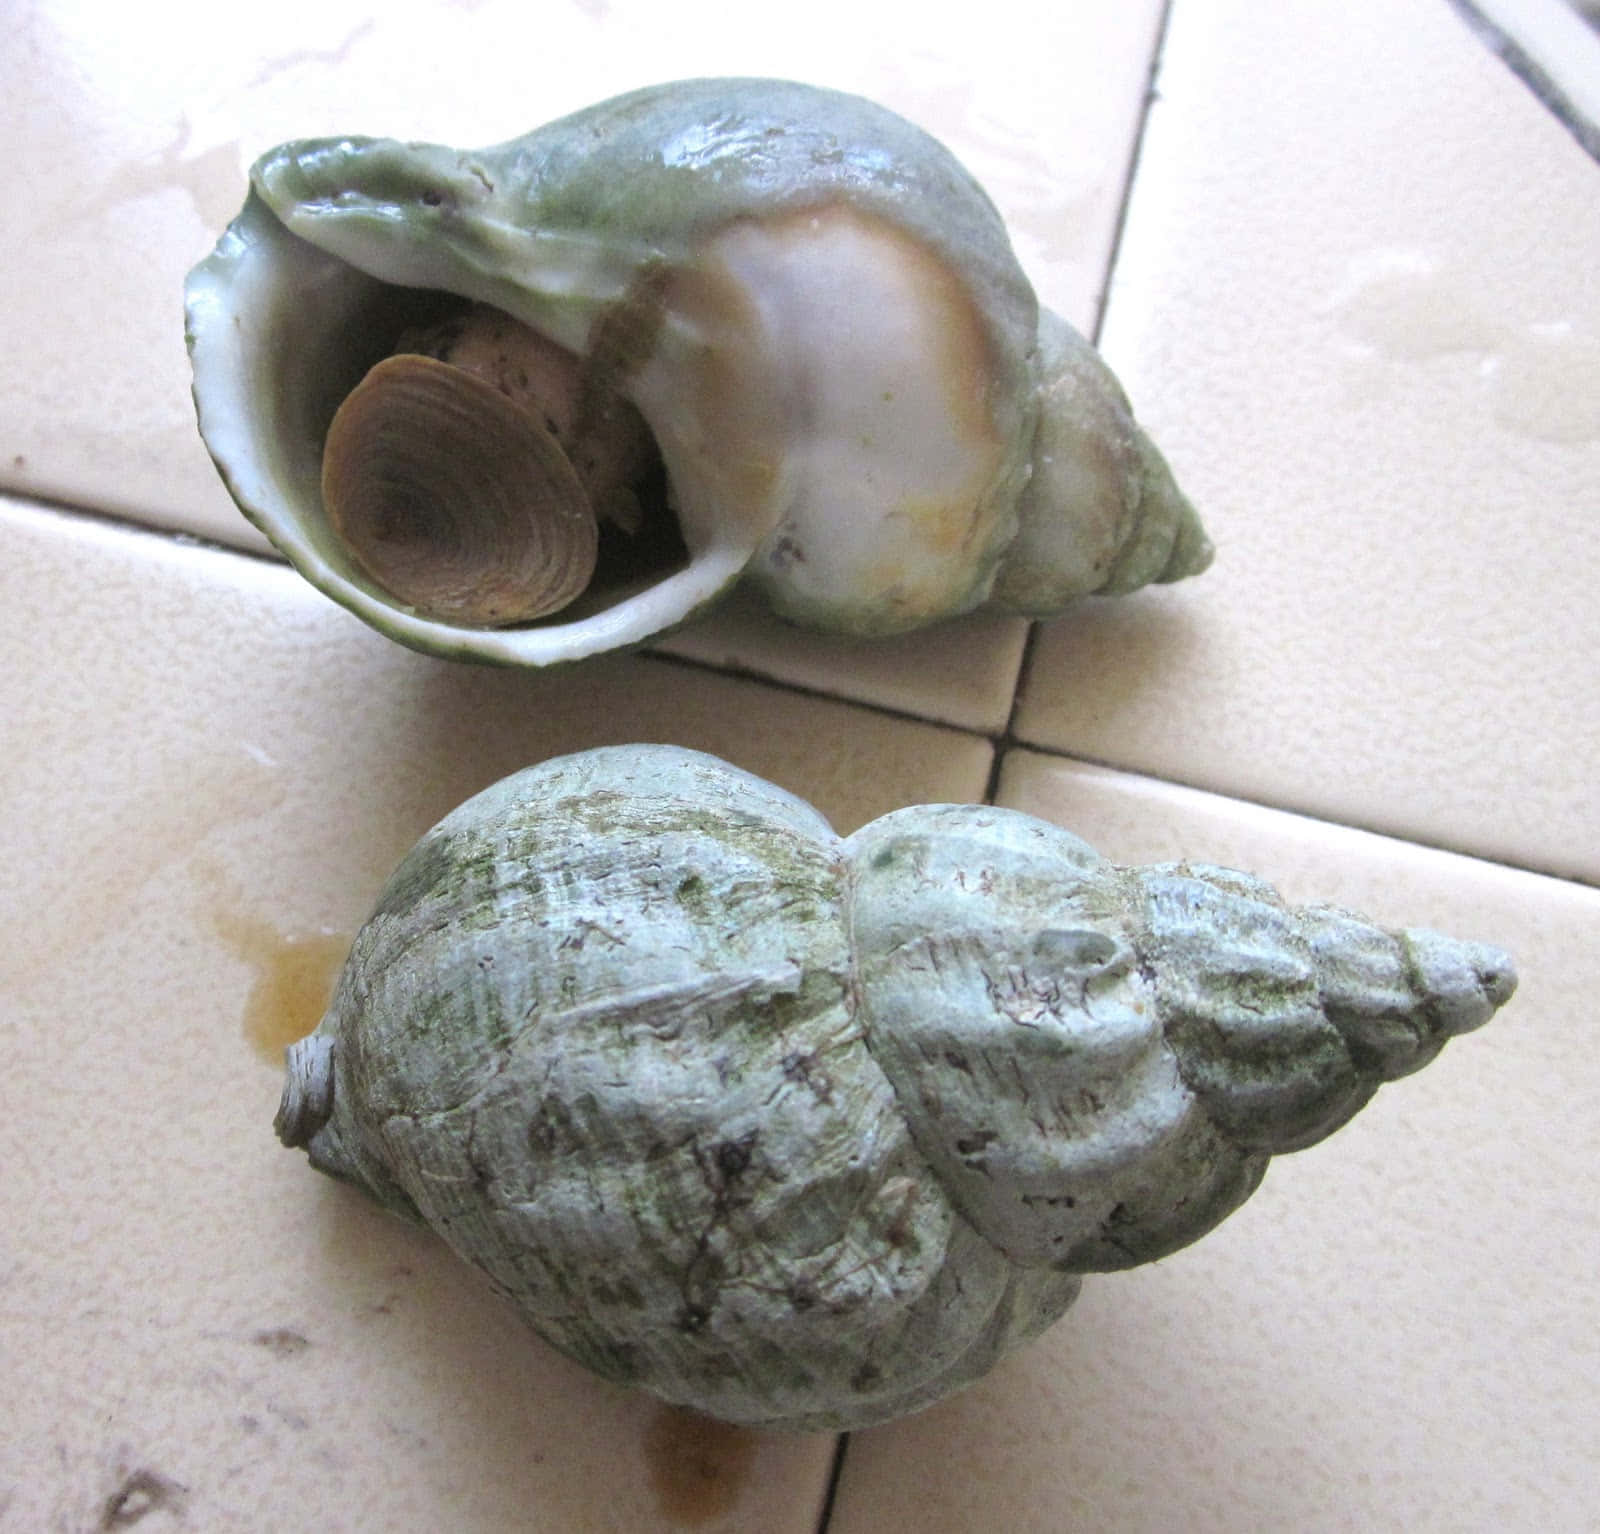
(1152, 94)
(129, 523)
(1562, 84)
(820, 694)
(825, 1517)
(185, 539)
(1001, 742)
(1301, 813)
(1007, 738)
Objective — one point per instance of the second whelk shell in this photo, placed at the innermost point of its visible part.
(851, 397)
(807, 1131)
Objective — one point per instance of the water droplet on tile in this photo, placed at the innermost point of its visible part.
(1541, 380)
(698, 1466)
(1403, 306)
(294, 977)
(1050, 200)
(1547, 385)
(213, 179)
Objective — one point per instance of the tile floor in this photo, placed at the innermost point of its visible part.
(1356, 299)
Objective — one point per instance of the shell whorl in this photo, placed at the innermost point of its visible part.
(662, 1132)
(1286, 1020)
(307, 1101)
(849, 396)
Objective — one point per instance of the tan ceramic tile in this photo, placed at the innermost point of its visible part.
(1358, 304)
(962, 673)
(1394, 1333)
(132, 132)
(209, 772)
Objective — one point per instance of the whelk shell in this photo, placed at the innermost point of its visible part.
(853, 399)
(808, 1131)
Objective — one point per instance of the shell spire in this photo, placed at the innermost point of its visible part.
(1286, 1020)
(1101, 513)
(1101, 1061)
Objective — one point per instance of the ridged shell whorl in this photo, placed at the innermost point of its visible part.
(1099, 1061)
(808, 1132)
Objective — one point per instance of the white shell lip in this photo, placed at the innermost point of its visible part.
(277, 333)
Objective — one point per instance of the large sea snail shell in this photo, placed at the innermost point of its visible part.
(852, 397)
(808, 1132)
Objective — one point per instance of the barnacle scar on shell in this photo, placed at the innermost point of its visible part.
(543, 400)
(807, 1131)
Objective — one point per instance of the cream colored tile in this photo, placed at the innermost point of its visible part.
(1358, 304)
(209, 772)
(1394, 1333)
(962, 673)
(136, 130)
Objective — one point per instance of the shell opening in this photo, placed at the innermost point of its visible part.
(280, 334)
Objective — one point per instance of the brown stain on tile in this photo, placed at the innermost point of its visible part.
(140, 1494)
(294, 977)
(123, 837)
(281, 1341)
(698, 1466)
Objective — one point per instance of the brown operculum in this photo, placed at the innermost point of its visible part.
(465, 472)
(603, 436)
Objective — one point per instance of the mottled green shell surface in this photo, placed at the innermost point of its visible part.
(809, 1132)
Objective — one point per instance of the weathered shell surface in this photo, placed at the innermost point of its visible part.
(809, 1132)
(858, 403)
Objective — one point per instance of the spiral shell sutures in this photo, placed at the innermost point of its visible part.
(1140, 1071)
(807, 1131)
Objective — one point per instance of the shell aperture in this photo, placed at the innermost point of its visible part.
(856, 402)
(808, 1131)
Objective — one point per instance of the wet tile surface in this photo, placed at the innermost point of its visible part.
(211, 1328)
(1357, 304)
(1391, 1333)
